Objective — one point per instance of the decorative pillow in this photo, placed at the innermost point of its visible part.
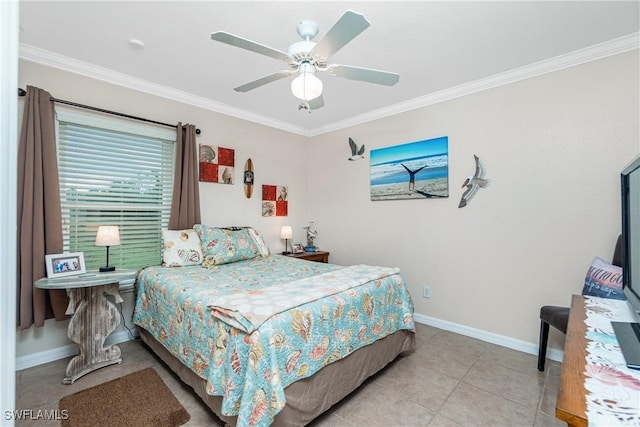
(603, 280)
(181, 248)
(259, 241)
(225, 245)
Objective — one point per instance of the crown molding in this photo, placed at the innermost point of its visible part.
(65, 63)
(557, 63)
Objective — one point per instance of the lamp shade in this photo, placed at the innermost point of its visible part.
(108, 235)
(306, 86)
(286, 232)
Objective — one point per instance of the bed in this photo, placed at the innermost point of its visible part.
(271, 339)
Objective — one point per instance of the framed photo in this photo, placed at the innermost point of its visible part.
(297, 248)
(61, 265)
(417, 170)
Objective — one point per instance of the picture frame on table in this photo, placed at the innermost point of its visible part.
(297, 248)
(65, 264)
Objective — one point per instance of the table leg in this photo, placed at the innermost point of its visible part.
(95, 317)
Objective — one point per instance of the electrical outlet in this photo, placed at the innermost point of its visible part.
(426, 292)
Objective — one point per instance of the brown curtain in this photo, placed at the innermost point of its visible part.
(39, 218)
(185, 204)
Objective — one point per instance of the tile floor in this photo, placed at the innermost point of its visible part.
(451, 380)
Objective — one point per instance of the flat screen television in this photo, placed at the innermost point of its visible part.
(628, 334)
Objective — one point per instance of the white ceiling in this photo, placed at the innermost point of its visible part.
(441, 49)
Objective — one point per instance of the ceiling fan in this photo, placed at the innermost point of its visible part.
(307, 57)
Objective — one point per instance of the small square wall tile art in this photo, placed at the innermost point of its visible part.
(216, 164)
(274, 200)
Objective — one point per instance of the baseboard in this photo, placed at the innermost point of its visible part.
(42, 357)
(512, 343)
(35, 359)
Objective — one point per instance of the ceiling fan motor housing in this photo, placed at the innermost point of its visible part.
(301, 51)
(307, 29)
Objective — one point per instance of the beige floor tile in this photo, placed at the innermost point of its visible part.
(445, 359)
(450, 381)
(471, 347)
(513, 385)
(550, 392)
(423, 333)
(376, 406)
(418, 381)
(41, 384)
(471, 406)
(553, 371)
(512, 359)
(442, 421)
(544, 420)
(330, 420)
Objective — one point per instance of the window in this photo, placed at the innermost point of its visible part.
(114, 173)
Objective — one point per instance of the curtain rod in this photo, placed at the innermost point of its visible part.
(22, 92)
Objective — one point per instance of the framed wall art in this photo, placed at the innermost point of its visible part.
(216, 164)
(417, 170)
(275, 200)
(61, 265)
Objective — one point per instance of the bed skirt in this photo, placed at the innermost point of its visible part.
(309, 397)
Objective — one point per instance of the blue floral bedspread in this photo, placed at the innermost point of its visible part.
(251, 370)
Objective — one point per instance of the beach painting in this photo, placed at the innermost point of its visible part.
(417, 170)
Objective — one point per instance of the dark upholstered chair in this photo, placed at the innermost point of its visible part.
(558, 317)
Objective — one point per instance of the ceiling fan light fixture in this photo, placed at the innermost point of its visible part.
(307, 57)
(306, 86)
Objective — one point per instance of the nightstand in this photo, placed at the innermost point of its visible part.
(94, 317)
(319, 256)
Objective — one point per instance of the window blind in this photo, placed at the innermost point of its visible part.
(113, 177)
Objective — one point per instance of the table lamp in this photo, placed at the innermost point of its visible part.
(108, 235)
(286, 233)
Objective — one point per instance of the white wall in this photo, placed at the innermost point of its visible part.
(278, 159)
(553, 145)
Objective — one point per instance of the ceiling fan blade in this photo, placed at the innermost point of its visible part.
(263, 81)
(364, 74)
(346, 29)
(237, 41)
(316, 103)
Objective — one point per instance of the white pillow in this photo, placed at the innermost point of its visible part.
(181, 248)
(257, 238)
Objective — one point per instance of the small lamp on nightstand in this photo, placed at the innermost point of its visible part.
(108, 235)
(286, 233)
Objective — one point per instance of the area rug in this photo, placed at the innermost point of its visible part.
(137, 399)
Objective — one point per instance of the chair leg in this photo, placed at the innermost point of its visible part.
(542, 349)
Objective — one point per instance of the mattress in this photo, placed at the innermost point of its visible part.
(254, 328)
